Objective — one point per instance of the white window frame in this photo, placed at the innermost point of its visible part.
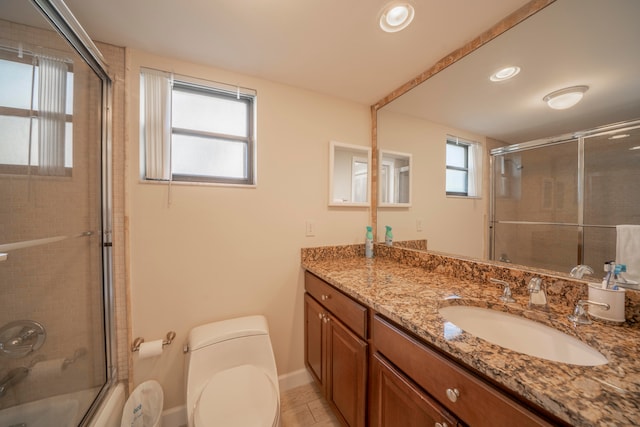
(472, 167)
(221, 90)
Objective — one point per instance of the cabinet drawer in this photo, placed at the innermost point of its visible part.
(343, 307)
(477, 403)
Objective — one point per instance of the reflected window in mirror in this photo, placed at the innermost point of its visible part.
(395, 179)
(463, 167)
(36, 111)
(349, 174)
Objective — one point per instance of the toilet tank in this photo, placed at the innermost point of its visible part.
(216, 332)
(222, 345)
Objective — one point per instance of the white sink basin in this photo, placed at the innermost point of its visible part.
(522, 335)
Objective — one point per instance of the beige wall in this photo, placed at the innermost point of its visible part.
(219, 252)
(450, 224)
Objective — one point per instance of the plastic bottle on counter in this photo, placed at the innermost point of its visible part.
(388, 236)
(368, 243)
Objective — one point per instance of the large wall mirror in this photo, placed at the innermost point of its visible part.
(565, 43)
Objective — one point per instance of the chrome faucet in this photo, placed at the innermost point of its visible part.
(580, 316)
(580, 270)
(13, 377)
(537, 295)
(506, 293)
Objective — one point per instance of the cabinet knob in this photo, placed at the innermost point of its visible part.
(327, 319)
(320, 316)
(325, 297)
(442, 425)
(453, 394)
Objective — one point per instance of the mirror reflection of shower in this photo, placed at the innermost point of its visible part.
(508, 182)
(565, 208)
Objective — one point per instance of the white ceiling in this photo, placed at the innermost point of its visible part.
(334, 47)
(569, 43)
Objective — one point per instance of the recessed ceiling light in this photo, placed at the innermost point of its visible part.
(505, 73)
(565, 98)
(396, 16)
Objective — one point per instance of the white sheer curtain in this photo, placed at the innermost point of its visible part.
(52, 99)
(155, 114)
(475, 170)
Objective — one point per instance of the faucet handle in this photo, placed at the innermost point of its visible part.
(506, 293)
(580, 316)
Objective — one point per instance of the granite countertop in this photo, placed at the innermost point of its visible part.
(411, 296)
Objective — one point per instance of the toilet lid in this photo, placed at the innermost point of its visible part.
(243, 396)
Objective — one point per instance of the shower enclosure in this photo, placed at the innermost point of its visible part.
(556, 203)
(55, 323)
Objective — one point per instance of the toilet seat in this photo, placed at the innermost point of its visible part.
(243, 396)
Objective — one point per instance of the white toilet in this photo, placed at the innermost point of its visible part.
(231, 377)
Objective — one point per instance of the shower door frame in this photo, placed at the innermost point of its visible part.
(547, 142)
(63, 21)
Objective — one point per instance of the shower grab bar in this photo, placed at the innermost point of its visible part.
(7, 247)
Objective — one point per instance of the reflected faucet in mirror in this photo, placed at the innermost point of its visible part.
(580, 270)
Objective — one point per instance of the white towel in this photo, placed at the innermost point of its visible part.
(628, 250)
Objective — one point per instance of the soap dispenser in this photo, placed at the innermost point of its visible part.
(368, 243)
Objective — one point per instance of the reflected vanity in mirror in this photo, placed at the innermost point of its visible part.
(349, 174)
(394, 179)
(457, 97)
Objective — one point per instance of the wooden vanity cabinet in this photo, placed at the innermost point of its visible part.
(472, 400)
(397, 401)
(336, 349)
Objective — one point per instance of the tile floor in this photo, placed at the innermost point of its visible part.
(304, 406)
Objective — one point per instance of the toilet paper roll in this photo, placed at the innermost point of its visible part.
(150, 349)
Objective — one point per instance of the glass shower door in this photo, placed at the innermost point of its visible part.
(611, 191)
(535, 206)
(53, 347)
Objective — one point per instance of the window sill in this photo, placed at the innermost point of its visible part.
(451, 196)
(195, 184)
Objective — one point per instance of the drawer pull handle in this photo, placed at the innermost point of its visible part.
(453, 394)
(441, 425)
(325, 297)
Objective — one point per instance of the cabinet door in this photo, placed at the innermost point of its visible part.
(314, 342)
(396, 401)
(347, 371)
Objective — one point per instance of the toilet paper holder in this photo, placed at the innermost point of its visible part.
(135, 346)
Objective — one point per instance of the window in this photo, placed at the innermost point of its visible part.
(197, 131)
(464, 168)
(36, 107)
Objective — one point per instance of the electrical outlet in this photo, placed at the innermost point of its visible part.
(418, 224)
(310, 229)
